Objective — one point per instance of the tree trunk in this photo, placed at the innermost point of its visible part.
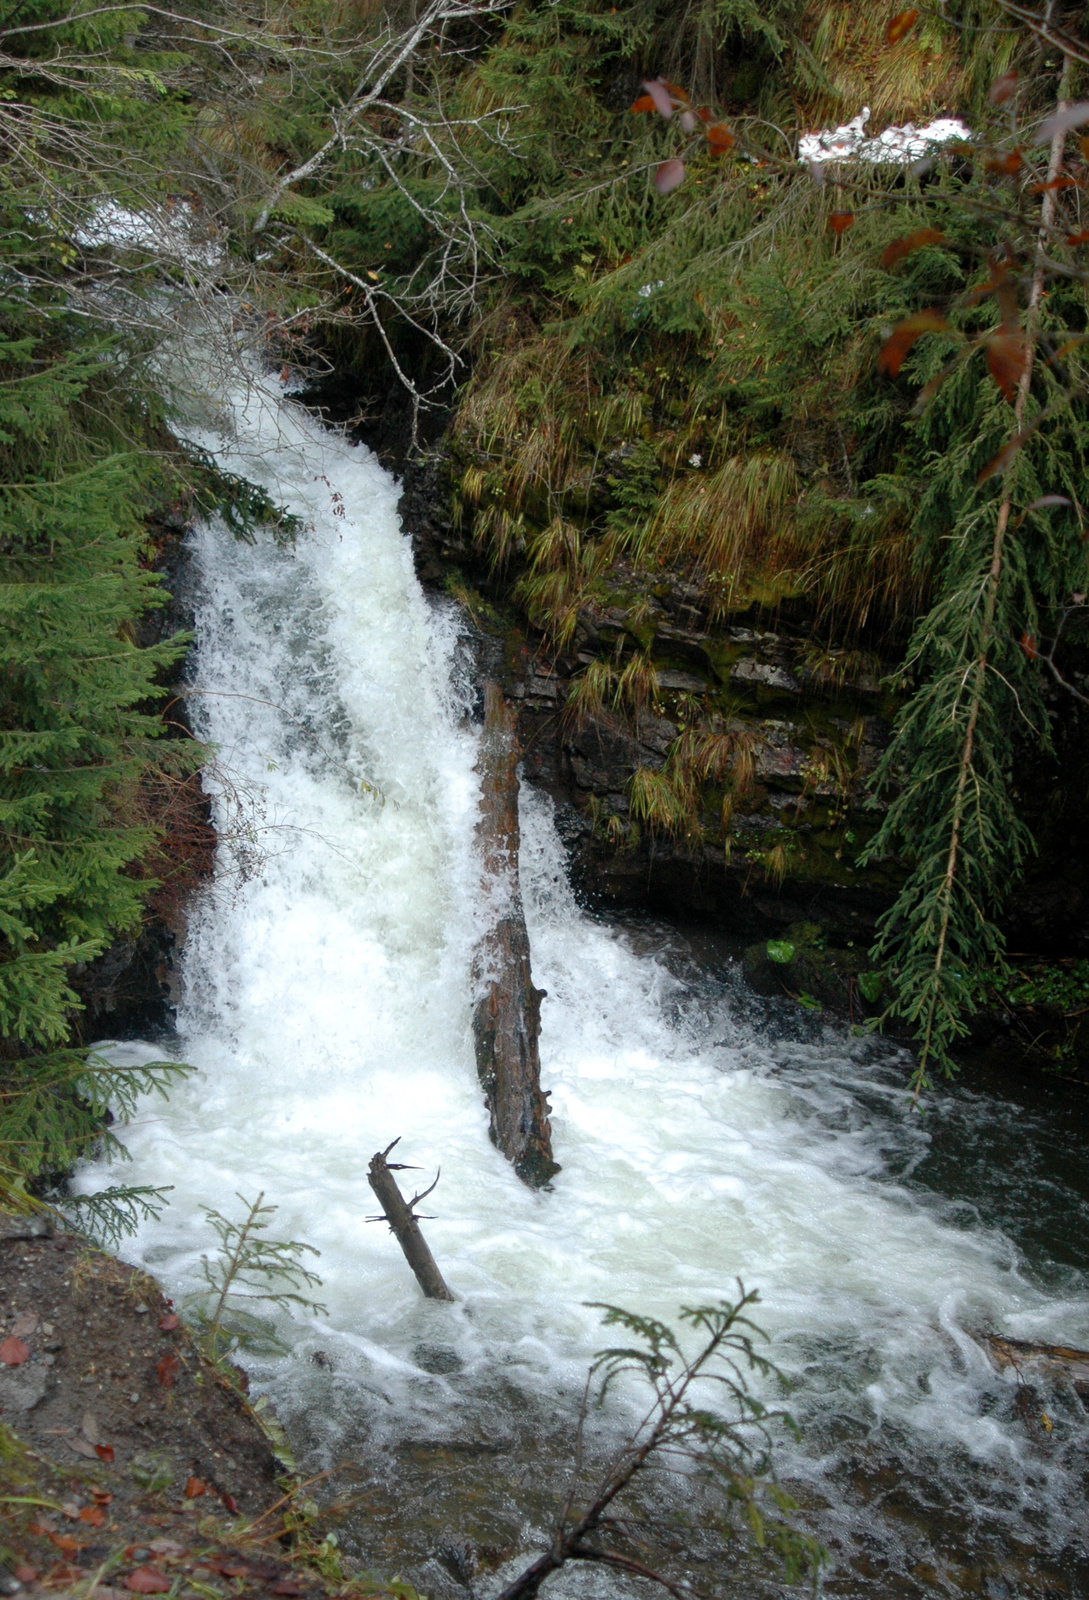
(404, 1225)
(507, 1015)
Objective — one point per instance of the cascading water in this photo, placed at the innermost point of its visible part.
(326, 1010)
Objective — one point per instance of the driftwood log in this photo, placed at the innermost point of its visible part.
(507, 1013)
(1053, 1362)
(402, 1219)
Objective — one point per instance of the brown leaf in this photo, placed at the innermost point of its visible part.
(1002, 88)
(168, 1323)
(25, 1574)
(82, 1447)
(147, 1580)
(89, 1429)
(668, 176)
(24, 1325)
(642, 103)
(1007, 358)
(901, 24)
(1028, 645)
(101, 1497)
(1063, 181)
(719, 138)
(194, 1488)
(13, 1352)
(1078, 238)
(229, 1501)
(65, 1543)
(94, 1515)
(232, 1569)
(840, 221)
(1002, 460)
(1010, 163)
(1062, 121)
(104, 1452)
(899, 248)
(896, 347)
(286, 1586)
(167, 1368)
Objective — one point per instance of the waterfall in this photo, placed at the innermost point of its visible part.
(325, 1010)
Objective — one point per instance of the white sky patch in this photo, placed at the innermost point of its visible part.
(898, 143)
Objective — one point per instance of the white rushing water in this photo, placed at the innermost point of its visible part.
(326, 1011)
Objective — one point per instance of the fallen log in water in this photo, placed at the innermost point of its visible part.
(402, 1220)
(507, 1014)
(1057, 1362)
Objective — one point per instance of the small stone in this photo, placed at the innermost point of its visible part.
(140, 1309)
(22, 1388)
(49, 1360)
(135, 1398)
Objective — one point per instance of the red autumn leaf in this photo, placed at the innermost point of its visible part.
(719, 138)
(1028, 645)
(668, 176)
(1002, 88)
(642, 103)
(705, 115)
(104, 1452)
(659, 94)
(194, 1488)
(168, 1323)
(840, 221)
(1009, 164)
(229, 1501)
(1078, 238)
(896, 347)
(13, 1352)
(65, 1543)
(25, 1574)
(147, 1580)
(167, 1368)
(1063, 181)
(1062, 121)
(286, 1586)
(101, 1497)
(676, 91)
(1007, 358)
(901, 24)
(899, 248)
(94, 1515)
(232, 1569)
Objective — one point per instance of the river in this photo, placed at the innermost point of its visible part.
(704, 1135)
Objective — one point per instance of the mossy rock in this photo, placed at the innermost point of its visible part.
(802, 966)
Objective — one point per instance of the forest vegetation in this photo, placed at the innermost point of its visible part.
(664, 350)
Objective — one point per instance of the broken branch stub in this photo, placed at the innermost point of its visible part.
(507, 1013)
(403, 1222)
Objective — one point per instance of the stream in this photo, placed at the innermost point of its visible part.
(705, 1135)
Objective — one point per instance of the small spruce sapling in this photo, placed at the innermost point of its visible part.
(703, 1420)
(249, 1270)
